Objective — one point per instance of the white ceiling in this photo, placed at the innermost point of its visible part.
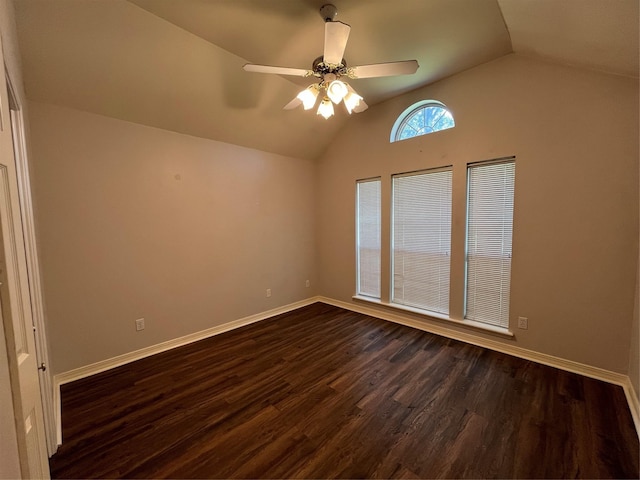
(177, 64)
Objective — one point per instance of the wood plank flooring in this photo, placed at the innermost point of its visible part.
(322, 392)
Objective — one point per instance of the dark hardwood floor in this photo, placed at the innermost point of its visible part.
(322, 392)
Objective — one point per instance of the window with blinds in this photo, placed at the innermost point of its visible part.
(421, 236)
(489, 232)
(368, 237)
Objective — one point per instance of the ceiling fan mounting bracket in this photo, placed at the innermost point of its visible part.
(328, 12)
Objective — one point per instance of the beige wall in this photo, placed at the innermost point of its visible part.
(140, 222)
(188, 233)
(575, 136)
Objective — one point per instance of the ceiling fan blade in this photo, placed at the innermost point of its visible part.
(336, 35)
(406, 67)
(298, 72)
(296, 102)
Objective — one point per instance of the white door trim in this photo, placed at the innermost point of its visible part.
(33, 265)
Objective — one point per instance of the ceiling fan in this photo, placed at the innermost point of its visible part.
(331, 67)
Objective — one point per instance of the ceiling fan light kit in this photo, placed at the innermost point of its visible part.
(331, 68)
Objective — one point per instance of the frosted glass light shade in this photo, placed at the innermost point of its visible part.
(308, 97)
(337, 91)
(351, 100)
(326, 108)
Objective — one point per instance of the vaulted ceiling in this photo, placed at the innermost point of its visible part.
(177, 65)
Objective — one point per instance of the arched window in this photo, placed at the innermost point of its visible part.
(421, 118)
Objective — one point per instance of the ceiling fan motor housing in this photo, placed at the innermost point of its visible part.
(328, 12)
(320, 68)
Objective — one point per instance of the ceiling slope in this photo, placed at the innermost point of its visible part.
(176, 64)
(597, 34)
(445, 36)
(115, 59)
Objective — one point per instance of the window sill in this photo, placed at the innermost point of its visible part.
(432, 315)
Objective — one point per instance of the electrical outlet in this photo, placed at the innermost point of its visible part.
(139, 324)
(523, 323)
(308, 283)
(268, 292)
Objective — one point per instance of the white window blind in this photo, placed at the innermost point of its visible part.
(489, 232)
(422, 240)
(368, 237)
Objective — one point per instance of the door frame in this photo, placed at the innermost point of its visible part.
(33, 265)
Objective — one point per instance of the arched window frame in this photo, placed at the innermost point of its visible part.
(405, 116)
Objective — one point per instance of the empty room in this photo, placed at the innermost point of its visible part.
(301, 239)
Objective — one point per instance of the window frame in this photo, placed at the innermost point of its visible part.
(359, 272)
(445, 309)
(406, 115)
(501, 322)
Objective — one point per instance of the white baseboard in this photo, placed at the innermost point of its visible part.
(108, 364)
(57, 411)
(561, 363)
(543, 358)
(634, 404)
